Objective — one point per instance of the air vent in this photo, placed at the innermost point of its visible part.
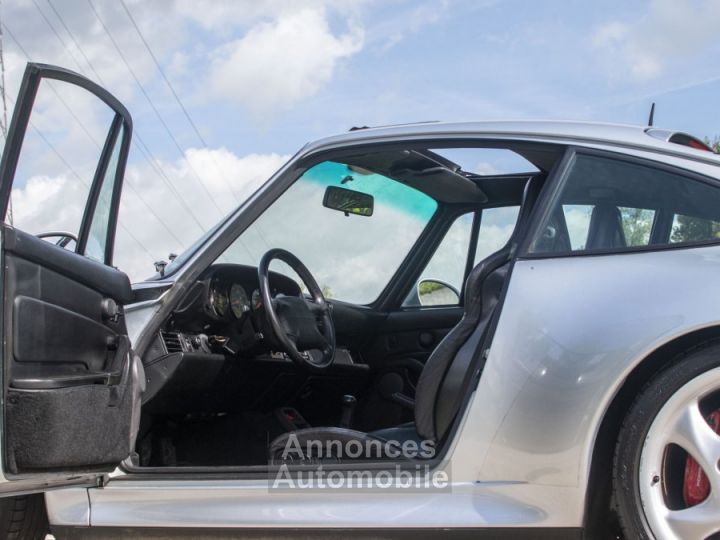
(173, 342)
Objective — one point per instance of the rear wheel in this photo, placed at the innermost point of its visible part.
(23, 518)
(666, 477)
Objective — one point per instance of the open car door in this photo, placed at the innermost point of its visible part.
(71, 383)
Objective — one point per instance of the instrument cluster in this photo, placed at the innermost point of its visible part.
(227, 298)
(232, 291)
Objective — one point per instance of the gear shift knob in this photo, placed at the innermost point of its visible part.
(348, 408)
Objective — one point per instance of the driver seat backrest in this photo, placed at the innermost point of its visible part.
(446, 375)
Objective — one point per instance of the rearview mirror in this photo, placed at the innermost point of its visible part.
(348, 201)
(432, 292)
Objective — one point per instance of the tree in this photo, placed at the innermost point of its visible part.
(713, 143)
(692, 229)
(636, 223)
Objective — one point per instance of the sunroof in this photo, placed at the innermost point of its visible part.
(487, 161)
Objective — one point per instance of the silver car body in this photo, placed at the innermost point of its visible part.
(571, 331)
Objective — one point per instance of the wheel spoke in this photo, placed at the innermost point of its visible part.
(697, 438)
(316, 309)
(697, 522)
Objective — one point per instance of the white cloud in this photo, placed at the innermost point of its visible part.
(221, 171)
(422, 15)
(262, 54)
(225, 15)
(668, 35)
(486, 168)
(30, 23)
(49, 204)
(277, 64)
(56, 203)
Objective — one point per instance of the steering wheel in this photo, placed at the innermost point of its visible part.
(303, 327)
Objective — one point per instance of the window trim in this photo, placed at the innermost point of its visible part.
(559, 178)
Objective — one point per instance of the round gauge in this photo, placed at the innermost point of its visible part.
(239, 302)
(218, 299)
(256, 299)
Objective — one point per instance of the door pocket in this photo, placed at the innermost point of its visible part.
(86, 427)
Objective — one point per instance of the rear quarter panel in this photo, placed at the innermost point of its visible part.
(571, 330)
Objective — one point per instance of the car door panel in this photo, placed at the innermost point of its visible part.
(71, 382)
(411, 333)
(100, 277)
(68, 363)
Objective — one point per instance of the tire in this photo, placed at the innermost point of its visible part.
(23, 518)
(673, 420)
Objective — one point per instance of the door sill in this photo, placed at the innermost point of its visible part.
(255, 472)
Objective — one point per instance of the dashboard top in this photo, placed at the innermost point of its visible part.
(225, 293)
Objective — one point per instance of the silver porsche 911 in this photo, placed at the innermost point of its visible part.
(478, 329)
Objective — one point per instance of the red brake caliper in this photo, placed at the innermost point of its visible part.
(696, 487)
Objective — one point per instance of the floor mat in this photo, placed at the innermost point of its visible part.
(230, 439)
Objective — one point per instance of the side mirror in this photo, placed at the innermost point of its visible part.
(432, 292)
(348, 201)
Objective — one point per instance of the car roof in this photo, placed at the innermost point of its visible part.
(630, 136)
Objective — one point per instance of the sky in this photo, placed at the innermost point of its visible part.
(244, 84)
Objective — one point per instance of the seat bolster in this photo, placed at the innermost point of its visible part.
(432, 376)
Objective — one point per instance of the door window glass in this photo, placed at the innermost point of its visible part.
(98, 235)
(496, 227)
(58, 158)
(442, 280)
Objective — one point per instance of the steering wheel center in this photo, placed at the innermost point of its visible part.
(302, 326)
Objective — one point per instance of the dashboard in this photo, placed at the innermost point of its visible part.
(226, 302)
(216, 351)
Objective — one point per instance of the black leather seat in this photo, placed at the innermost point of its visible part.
(447, 374)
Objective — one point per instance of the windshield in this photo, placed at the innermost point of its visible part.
(351, 256)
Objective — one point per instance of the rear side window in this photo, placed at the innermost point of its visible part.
(693, 229)
(635, 223)
(611, 204)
